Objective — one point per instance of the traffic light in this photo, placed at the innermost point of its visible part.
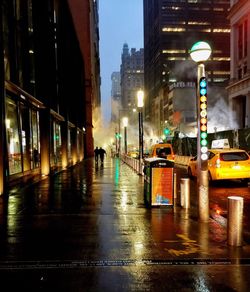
(118, 135)
(166, 131)
(203, 118)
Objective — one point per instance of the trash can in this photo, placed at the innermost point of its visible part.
(158, 182)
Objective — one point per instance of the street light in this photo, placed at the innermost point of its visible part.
(125, 124)
(200, 52)
(140, 104)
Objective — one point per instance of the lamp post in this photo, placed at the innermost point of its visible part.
(140, 104)
(125, 124)
(200, 52)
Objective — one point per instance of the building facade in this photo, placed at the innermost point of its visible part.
(239, 87)
(132, 75)
(49, 85)
(170, 30)
(115, 95)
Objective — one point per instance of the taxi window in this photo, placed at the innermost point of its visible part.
(166, 151)
(234, 156)
(210, 155)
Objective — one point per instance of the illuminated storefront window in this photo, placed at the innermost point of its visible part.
(13, 137)
(70, 143)
(23, 142)
(35, 153)
(56, 154)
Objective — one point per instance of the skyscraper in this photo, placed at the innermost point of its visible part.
(170, 30)
(132, 75)
(115, 95)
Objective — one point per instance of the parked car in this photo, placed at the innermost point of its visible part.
(133, 154)
(162, 150)
(224, 164)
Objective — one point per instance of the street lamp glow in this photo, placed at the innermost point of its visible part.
(125, 121)
(200, 52)
(140, 98)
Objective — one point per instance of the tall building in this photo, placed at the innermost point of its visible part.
(49, 85)
(239, 87)
(115, 95)
(132, 75)
(170, 30)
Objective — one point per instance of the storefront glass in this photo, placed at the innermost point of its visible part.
(23, 141)
(69, 145)
(56, 154)
(35, 153)
(25, 133)
(13, 137)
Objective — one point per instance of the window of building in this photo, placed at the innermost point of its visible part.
(173, 29)
(25, 133)
(173, 51)
(221, 58)
(245, 37)
(13, 137)
(35, 141)
(221, 30)
(242, 48)
(240, 41)
(56, 154)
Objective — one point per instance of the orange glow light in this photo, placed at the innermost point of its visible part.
(203, 128)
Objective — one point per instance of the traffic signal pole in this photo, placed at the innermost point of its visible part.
(202, 150)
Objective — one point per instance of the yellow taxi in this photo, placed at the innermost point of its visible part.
(133, 154)
(162, 150)
(224, 164)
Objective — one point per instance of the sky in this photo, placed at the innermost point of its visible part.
(120, 21)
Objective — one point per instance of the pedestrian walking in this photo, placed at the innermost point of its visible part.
(96, 152)
(102, 152)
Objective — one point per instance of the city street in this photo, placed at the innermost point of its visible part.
(87, 229)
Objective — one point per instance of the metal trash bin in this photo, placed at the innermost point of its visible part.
(158, 182)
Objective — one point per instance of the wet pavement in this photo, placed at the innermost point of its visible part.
(87, 229)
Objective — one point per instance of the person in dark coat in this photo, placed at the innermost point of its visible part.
(102, 152)
(96, 152)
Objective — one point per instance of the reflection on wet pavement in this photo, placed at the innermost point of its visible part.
(87, 229)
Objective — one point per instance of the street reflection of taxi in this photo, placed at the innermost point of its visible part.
(224, 164)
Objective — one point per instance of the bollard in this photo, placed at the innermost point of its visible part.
(185, 193)
(175, 185)
(235, 220)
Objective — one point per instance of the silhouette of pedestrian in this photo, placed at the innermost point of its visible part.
(96, 152)
(36, 157)
(102, 152)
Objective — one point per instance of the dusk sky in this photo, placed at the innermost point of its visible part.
(120, 21)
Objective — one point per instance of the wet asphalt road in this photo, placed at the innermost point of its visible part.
(87, 229)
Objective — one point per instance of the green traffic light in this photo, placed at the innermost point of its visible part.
(204, 142)
(166, 131)
(203, 135)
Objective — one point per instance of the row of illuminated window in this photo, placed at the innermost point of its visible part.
(213, 72)
(199, 1)
(174, 51)
(183, 29)
(216, 80)
(193, 8)
(221, 59)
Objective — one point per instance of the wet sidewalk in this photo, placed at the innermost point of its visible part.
(87, 229)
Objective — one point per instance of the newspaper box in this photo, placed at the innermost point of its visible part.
(158, 182)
